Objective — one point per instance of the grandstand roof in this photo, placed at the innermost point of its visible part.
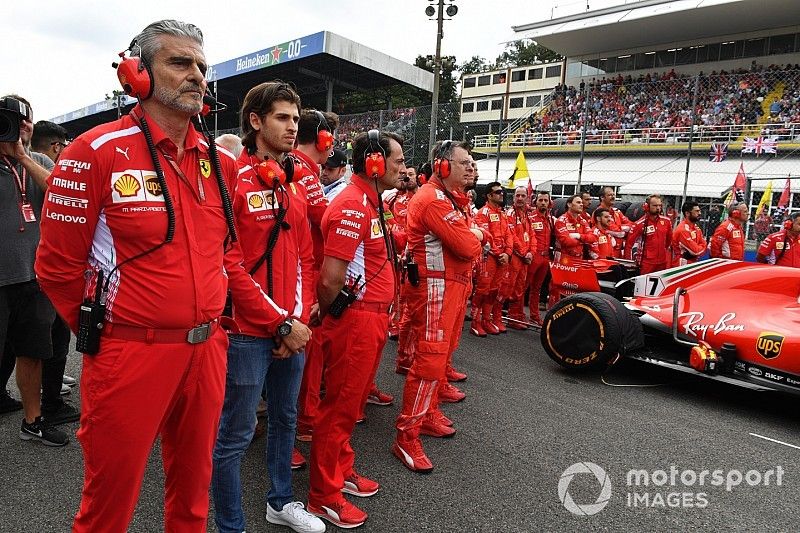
(309, 62)
(648, 175)
(654, 22)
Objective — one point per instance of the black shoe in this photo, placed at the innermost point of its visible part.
(63, 414)
(8, 404)
(43, 432)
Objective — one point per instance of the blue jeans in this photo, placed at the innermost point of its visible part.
(251, 367)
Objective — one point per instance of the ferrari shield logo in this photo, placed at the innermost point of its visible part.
(205, 168)
(769, 344)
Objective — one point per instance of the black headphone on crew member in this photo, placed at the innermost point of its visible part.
(134, 74)
(442, 165)
(324, 138)
(374, 156)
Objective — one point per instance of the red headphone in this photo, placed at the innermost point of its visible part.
(375, 156)
(789, 222)
(271, 174)
(134, 74)
(441, 165)
(324, 142)
(733, 212)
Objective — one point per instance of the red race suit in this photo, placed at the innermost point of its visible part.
(781, 249)
(728, 240)
(651, 242)
(522, 256)
(688, 243)
(543, 227)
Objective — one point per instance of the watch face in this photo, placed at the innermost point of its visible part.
(284, 329)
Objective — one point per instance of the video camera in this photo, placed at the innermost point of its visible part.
(12, 111)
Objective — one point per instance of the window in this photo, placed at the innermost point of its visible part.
(469, 82)
(553, 72)
(781, 44)
(624, 63)
(468, 107)
(484, 80)
(499, 78)
(608, 64)
(754, 47)
(645, 60)
(516, 103)
(713, 52)
(685, 56)
(533, 101)
(665, 58)
(702, 53)
(497, 104)
(535, 74)
(482, 106)
(518, 75)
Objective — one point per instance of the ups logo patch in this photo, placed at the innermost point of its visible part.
(769, 344)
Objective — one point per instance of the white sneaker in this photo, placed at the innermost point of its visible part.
(295, 516)
(69, 381)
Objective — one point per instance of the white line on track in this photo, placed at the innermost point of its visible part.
(774, 440)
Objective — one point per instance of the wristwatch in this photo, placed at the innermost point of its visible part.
(285, 328)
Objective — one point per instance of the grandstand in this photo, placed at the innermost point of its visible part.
(647, 77)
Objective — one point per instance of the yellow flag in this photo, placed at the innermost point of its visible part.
(520, 170)
(766, 199)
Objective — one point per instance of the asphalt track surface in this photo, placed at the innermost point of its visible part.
(524, 422)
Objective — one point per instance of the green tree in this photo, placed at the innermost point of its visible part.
(474, 65)
(447, 81)
(525, 52)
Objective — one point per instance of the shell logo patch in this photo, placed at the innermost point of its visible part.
(255, 202)
(205, 168)
(127, 186)
(375, 229)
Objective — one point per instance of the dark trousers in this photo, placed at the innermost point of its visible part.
(53, 368)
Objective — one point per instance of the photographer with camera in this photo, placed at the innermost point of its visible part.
(27, 314)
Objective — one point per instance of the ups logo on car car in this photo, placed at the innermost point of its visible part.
(769, 344)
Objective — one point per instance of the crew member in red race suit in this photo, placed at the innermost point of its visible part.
(488, 316)
(605, 247)
(513, 289)
(650, 239)
(573, 235)
(276, 243)
(620, 226)
(396, 208)
(359, 255)
(782, 247)
(314, 146)
(728, 239)
(586, 215)
(160, 369)
(688, 242)
(543, 227)
(444, 246)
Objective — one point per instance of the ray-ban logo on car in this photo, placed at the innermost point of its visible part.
(769, 344)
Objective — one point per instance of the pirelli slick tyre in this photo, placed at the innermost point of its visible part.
(586, 331)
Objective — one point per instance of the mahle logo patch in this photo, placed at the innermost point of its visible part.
(769, 344)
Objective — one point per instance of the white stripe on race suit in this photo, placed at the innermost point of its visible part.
(434, 255)
(111, 135)
(356, 268)
(298, 293)
(433, 310)
(103, 256)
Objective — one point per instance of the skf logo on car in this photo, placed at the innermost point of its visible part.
(602, 478)
(668, 488)
(769, 344)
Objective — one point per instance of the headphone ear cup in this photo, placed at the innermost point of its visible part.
(324, 141)
(135, 77)
(375, 165)
(787, 224)
(444, 168)
(645, 207)
(271, 173)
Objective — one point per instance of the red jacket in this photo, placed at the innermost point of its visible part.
(115, 210)
(543, 226)
(353, 233)
(571, 235)
(306, 173)
(255, 206)
(728, 241)
(439, 235)
(520, 227)
(781, 249)
(687, 240)
(655, 240)
(493, 220)
(606, 245)
(619, 228)
(396, 210)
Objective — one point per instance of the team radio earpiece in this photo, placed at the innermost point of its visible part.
(272, 174)
(324, 141)
(789, 222)
(375, 156)
(442, 165)
(134, 74)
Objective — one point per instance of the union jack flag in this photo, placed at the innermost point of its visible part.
(719, 151)
(759, 145)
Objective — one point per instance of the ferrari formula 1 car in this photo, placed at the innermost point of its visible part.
(731, 321)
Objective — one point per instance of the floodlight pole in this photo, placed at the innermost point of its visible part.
(437, 72)
(691, 138)
(583, 138)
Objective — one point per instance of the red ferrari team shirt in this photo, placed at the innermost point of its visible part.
(306, 173)
(781, 249)
(542, 225)
(652, 235)
(354, 233)
(256, 206)
(520, 228)
(492, 220)
(728, 241)
(104, 205)
(687, 240)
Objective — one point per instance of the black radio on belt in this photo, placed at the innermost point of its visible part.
(347, 295)
(91, 319)
(412, 270)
